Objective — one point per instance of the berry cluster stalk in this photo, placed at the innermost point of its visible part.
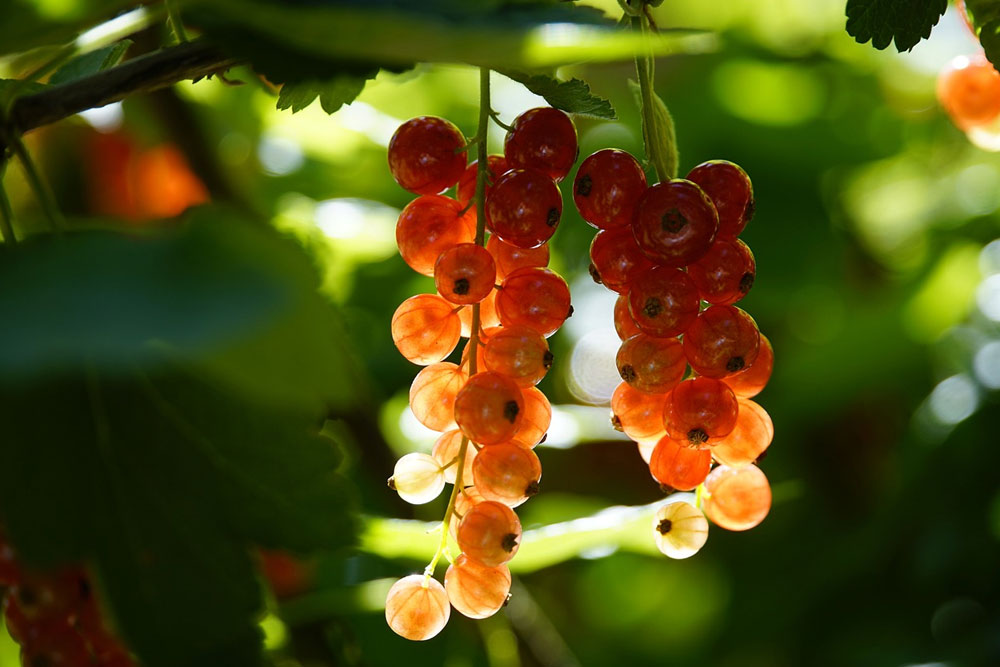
(6, 212)
(482, 173)
(657, 124)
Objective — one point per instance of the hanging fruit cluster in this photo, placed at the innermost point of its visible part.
(501, 297)
(667, 250)
(55, 618)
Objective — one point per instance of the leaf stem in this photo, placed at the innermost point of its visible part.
(6, 212)
(174, 18)
(38, 185)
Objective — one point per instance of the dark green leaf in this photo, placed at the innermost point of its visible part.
(24, 26)
(882, 21)
(333, 93)
(10, 88)
(989, 37)
(660, 140)
(161, 482)
(573, 96)
(91, 63)
(983, 11)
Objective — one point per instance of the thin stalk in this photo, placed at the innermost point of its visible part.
(6, 212)
(174, 17)
(482, 173)
(663, 157)
(38, 185)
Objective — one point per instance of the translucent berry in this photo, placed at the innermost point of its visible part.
(487, 314)
(62, 647)
(426, 328)
(490, 533)
(464, 501)
(417, 478)
(489, 408)
(647, 447)
(432, 395)
(484, 337)
(430, 225)
(700, 411)
(969, 90)
(749, 439)
(607, 188)
(537, 298)
(722, 340)
(417, 607)
(476, 590)
(445, 451)
(615, 259)
(675, 223)
(510, 258)
(638, 414)
(524, 208)
(520, 353)
(426, 156)
(652, 365)
(751, 380)
(496, 166)
(542, 139)
(507, 473)
(680, 529)
(663, 302)
(537, 417)
(726, 273)
(729, 188)
(737, 498)
(679, 466)
(625, 326)
(465, 273)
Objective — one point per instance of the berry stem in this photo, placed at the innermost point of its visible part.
(38, 186)
(174, 19)
(482, 174)
(663, 154)
(6, 212)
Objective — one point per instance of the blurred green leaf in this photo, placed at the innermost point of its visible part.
(161, 482)
(573, 96)
(91, 63)
(882, 21)
(660, 140)
(25, 24)
(333, 94)
(983, 11)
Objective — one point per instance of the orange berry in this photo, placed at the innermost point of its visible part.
(653, 365)
(676, 465)
(638, 414)
(534, 297)
(520, 353)
(476, 590)
(490, 533)
(737, 498)
(425, 329)
(510, 258)
(536, 420)
(428, 226)
(749, 439)
(507, 473)
(417, 608)
(465, 273)
(432, 395)
(445, 450)
(489, 408)
(751, 380)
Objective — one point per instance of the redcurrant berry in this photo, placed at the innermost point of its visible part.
(537, 418)
(430, 225)
(726, 273)
(537, 298)
(507, 473)
(520, 353)
(432, 395)
(524, 208)
(489, 408)
(465, 273)
(426, 328)
(426, 155)
(489, 533)
(542, 139)
(488, 317)
(678, 466)
(675, 223)
(446, 449)
(749, 439)
(638, 414)
(475, 590)
(607, 187)
(722, 340)
(624, 324)
(652, 365)
(417, 608)
(969, 90)
(496, 166)
(700, 411)
(751, 380)
(737, 498)
(510, 258)
(615, 259)
(663, 302)
(729, 188)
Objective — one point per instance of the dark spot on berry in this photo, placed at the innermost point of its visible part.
(506, 600)
(583, 185)
(673, 221)
(697, 436)
(627, 373)
(27, 596)
(510, 411)
(735, 364)
(652, 308)
(547, 359)
(595, 274)
(667, 489)
(746, 282)
(616, 423)
(763, 455)
(749, 211)
(461, 286)
(391, 483)
(531, 490)
(569, 313)
(545, 436)
(509, 542)
(664, 526)
(553, 218)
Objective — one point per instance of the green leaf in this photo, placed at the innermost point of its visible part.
(983, 11)
(91, 63)
(989, 37)
(658, 133)
(882, 21)
(10, 88)
(25, 24)
(573, 96)
(333, 93)
(234, 298)
(161, 482)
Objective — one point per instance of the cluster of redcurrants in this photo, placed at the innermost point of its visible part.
(666, 249)
(55, 619)
(507, 303)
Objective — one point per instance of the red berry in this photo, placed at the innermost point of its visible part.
(465, 273)
(624, 324)
(969, 90)
(749, 439)
(430, 225)
(729, 188)
(524, 208)
(489, 408)
(520, 353)
(507, 473)
(737, 498)
(474, 589)
(489, 533)
(446, 449)
(537, 418)
(607, 188)
(726, 273)
(286, 575)
(638, 414)
(680, 467)
(426, 328)
(510, 258)
(426, 156)
(537, 298)
(487, 314)
(751, 380)
(663, 302)
(652, 365)
(496, 167)
(9, 569)
(542, 139)
(722, 340)
(62, 647)
(675, 223)
(432, 395)
(615, 259)
(700, 411)
(49, 597)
